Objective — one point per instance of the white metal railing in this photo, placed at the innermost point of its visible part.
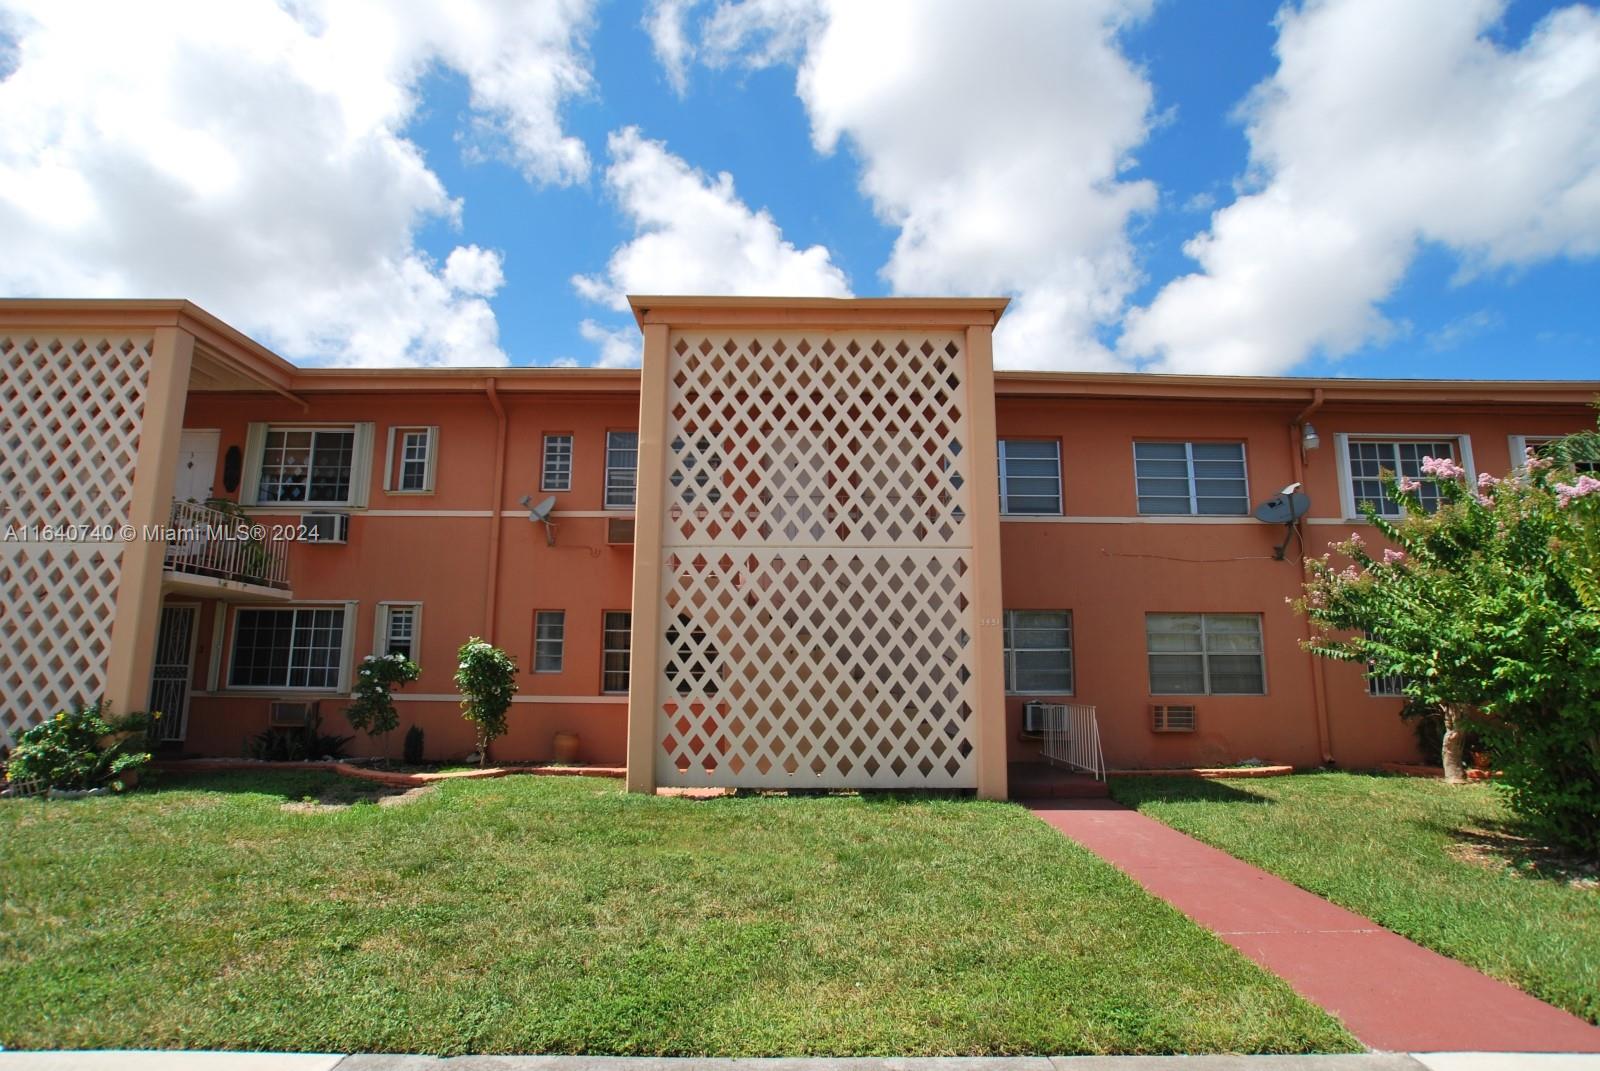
(208, 542)
(1072, 738)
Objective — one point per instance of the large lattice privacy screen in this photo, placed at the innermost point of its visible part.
(70, 413)
(815, 598)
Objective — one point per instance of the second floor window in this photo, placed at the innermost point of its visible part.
(556, 474)
(1195, 479)
(1030, 476)
(307, 465)
(409, 468)
(622, 468)
(1370, 458)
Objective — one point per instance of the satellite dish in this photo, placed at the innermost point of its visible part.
(540, 514)
(542, 510)
(1284, 508)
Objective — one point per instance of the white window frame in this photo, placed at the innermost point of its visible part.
(1347, 491)
(609, 502)
(555, 439)
(346, 651)
(605, 650)
(560, 641)
(394, 463)
(1205, 653)
(1519, 451)
(255, 445)
(1005, 506)
(382, 632)
(1010, 651)
(1194, 490)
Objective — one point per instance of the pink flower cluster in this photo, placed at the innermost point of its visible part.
(1442, 468)
(1407, 485)
(1392, 556)
(1567, 492)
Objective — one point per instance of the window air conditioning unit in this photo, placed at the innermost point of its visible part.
(291, 714)
(1172, 718)
(1033, 718)
(619, 531)
(326, 527)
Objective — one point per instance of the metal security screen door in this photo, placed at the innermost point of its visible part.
(174, 667)
(815, 623)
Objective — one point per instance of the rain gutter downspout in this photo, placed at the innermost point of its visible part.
(1319, 679)
(492, 580)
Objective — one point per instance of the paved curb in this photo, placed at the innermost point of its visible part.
(390, 778)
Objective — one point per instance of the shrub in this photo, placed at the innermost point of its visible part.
(372, 709)
(413, 746)
(81, 748)
(304, 744)
(1489, 609)
(487, 678)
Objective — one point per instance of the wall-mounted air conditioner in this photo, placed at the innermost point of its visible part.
(326, 527)
(619, 531)
(1033, 718)
(291, 713)
(1172, 717)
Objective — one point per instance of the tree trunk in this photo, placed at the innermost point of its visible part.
(1455, 743)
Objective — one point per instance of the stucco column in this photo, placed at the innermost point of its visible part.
(647, 563)
(138, 614)
(988, 684)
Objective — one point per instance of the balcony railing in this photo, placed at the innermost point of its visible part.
(1072, 738)
(207, 542)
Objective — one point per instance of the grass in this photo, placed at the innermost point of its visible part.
(562, 915)
(1440, 864)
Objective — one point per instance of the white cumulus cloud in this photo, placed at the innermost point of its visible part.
(251, 156)
(995, 137)
(618, 347)
(1385, 128)
(693, 235)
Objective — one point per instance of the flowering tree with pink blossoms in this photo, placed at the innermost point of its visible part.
(1489, 610)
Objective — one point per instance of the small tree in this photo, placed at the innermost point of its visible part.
(1490, 605)
(487, 678)
(372, 708)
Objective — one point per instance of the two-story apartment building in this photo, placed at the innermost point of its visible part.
(810, 542)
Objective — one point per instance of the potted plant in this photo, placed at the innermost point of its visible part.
(565, 747)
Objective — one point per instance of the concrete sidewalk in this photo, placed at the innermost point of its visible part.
(250, 1061)
(1392, 994)
(236, 1061)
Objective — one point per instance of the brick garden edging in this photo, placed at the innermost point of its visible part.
(1213, 773)
(391, 778)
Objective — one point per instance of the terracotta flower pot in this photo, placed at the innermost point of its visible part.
(565, 747)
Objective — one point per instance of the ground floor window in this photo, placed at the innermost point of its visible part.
(399, 629)
(1038, 649)
(300, 647)
(615, 651)
(1205, 654)
(549, 640)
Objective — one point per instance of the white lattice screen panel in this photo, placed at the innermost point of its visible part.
(70, 414)
(816, 596)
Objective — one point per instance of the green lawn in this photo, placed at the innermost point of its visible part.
(1435, 862)
(559, 914)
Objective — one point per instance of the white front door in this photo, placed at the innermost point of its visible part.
(197, 464)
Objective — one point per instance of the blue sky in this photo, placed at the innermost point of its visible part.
(1392, 200)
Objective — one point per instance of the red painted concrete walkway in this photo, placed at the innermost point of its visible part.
(1392, 994)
